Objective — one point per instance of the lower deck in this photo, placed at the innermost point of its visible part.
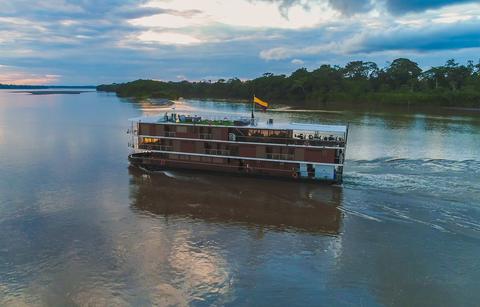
(293, 170)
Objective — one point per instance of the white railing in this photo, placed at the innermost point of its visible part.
(206, 136)
(200, 119)
(279, 156)
(217, 152)
(149, 146)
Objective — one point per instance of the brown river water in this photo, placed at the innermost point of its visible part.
(78, 226)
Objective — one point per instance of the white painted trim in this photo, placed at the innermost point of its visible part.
(277, 126)
(238, 157)
(235, 142)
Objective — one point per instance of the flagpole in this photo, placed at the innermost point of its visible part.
(253, 108)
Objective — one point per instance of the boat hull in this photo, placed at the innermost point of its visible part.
(152, 162)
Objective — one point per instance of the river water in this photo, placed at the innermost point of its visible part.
(79, 227)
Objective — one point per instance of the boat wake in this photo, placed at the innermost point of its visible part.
(438, 193)
(439, 177)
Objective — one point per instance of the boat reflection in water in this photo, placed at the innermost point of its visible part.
(277, 204)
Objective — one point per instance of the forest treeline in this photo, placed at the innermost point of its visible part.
(358, 82)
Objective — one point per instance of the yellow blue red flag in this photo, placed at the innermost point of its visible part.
(261, 103)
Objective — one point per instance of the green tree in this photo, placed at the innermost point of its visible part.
(456, 74)
(361, 82)
(402, 72)
(358, 70)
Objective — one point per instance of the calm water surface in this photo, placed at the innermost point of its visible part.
(79, 227)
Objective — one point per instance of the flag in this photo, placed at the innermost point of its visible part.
(261, 103)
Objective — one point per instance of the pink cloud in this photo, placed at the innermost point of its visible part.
(9, 75)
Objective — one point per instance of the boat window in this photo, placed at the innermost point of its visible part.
(150, 140)
(182, 129)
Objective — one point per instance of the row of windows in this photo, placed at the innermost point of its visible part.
(146, 128)
(157, 141)
(218, 145)
(268, 133)
(246, 135)
(269, 150)
(150, 128)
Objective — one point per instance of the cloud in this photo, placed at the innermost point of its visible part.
(281, 53)
(12, 75)
(117, 40)
(432, 38)
(139, 12)
(350, 7)
(168, 38)
(297, 62)
(443, 37)
(285, 5)
(250, 13)
(452, 28)
(406, 6)
(346, 7)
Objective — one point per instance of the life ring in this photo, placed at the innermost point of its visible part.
(294, 174)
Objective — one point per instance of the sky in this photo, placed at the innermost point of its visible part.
(89, 42)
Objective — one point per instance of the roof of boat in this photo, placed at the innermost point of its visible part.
(159, 119)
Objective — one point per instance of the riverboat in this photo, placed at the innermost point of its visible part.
(239, 145)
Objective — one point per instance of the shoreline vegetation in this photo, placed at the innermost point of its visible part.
(357, 84)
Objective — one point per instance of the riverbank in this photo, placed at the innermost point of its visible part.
(359, 83)
(376, 109)
(459, 100)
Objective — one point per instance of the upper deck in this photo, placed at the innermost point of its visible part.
(241, 130)
(239, 122)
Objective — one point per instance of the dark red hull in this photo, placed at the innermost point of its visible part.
(155, 162)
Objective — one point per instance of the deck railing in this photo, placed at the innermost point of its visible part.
(222, 152)
(155, 147)
(210, 120)
(267, 139)
(218, 152)
(279, 156)
(205, 136)
(291, 141)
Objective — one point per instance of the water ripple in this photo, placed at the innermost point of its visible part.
(452, 179)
